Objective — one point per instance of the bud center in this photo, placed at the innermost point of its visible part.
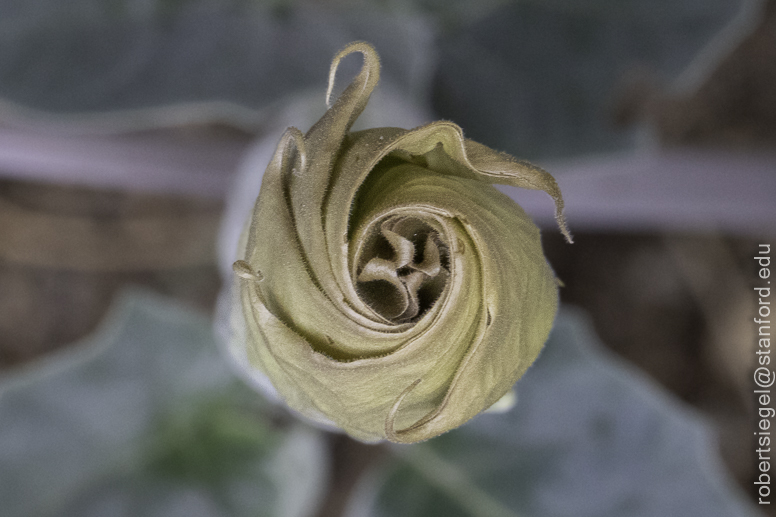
(403, 268)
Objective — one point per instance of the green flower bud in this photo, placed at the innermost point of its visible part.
(385, 284)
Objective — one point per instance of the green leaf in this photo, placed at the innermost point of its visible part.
(554, 67)
(146, 418)
(129, 64)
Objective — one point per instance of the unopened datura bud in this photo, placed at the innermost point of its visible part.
(385, 285)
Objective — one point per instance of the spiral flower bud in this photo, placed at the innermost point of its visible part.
(385, 285)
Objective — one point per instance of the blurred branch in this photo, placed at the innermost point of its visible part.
(685, 189)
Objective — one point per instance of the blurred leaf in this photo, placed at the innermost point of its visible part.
(551, 68)
(145, 418)
(222, 60)
(589, 437)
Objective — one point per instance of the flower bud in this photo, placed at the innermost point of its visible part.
(384, 284)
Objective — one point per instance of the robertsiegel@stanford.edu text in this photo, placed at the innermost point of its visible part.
(763, 374)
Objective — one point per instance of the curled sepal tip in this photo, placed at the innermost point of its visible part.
(384, 285)
(369, 75)
(244, 270)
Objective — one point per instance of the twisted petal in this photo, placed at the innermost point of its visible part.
(386, 285)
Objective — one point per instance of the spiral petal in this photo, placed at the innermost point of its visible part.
(385, 284)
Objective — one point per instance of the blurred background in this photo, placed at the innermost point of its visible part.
(129, 129)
